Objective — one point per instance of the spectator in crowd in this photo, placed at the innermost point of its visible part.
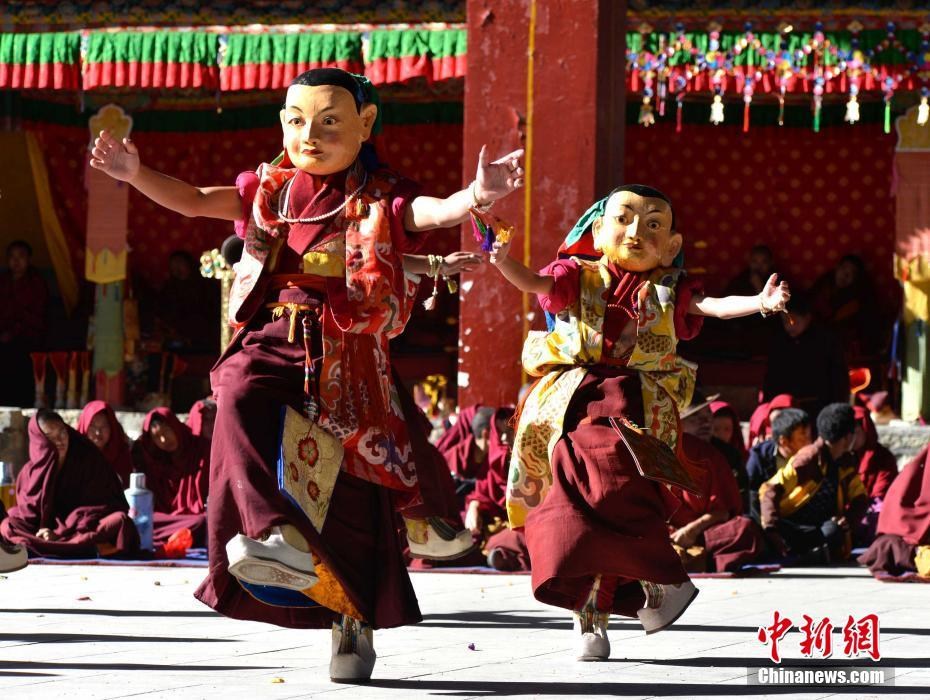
(806, 361)
(98, 424)
(69, 501)
(760, 422)
(23, 310)
(877, 470)
(708, 529)
(791, 431)
(176, 467)
(844, 300)
(187, 308)
(903, 542)
(809, 506)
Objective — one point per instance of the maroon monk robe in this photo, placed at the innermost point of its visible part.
(877, 466)
(904, 522)
(760, 424)
(436, 490)
(22, 330)
(256, 376)
(80, 500)
(491, 490)
(116, 451)
(458, 432)
(600, 516)
(178, 480)
(738, 539)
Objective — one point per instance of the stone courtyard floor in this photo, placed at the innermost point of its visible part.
(116, 632)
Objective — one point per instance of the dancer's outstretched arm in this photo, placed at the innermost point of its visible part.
(492, 181)
(520, 276)
(770, 300)
(452, 264)
(120, 160)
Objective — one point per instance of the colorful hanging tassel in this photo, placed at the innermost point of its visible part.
(747, 100)
(818, 103)
(679, 100)
(483, 226)
(781, 106)
(889, 94)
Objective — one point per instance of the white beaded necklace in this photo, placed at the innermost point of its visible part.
(284, 203)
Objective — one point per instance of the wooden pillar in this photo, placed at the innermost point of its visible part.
(547, 75)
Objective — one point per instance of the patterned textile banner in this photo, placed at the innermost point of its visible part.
(151, 60)
(811, 197)
(40, 61)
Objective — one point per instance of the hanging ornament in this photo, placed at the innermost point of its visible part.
(923, 109)
(747, 100)
(681, 84)
(888, 90)
(818, 103)
(646, 117)
(716, 110)
(782, 87)
(662, 92)
(852, 107)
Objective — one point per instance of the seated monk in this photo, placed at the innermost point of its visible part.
(806, 360)
(791, 431)
(69, 502)
(176, 467)
(877, 470)
(13, 557)
(486, 505)
(708, 529)
(903, 541)
(760, 422)
(98, 424)
(807, 507)
(468, 459)
(202, 418)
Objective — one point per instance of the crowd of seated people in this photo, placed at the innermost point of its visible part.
(70, 500)
(805, 488)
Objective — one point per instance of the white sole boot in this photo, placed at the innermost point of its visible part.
(272, 561)
(433, 538)
(354, 655)
(591, 633)
(12, 558)
(665, 603)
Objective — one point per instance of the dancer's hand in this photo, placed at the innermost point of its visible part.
(499, 252)
(119, 160)
(496, 180)
(460, 261)
(775, 295)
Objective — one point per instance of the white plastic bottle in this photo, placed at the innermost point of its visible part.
(141, 509)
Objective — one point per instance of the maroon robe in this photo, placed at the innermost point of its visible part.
(177, 480)
(877, 466)
(436, 489)
(904, 522)
(259, 374)
(80, 500)
(491, 489)
(459, 449)
(737, 540)
(22, 330)
(116, 451)
(600, 516)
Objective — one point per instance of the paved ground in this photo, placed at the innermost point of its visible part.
(106, 632)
